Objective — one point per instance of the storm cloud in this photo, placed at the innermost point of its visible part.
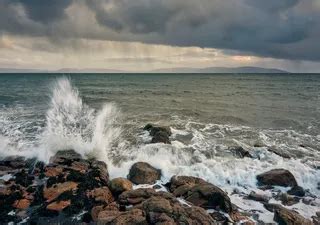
(283, 29)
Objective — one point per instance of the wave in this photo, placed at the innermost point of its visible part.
(70, 124)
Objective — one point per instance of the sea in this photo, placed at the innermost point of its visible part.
(102, 116)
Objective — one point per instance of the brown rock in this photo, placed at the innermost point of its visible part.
(119, 185)
(22, 204)
(81, 166)
(279, 177)
(95, 212)
(139, 195)
(102, 194)
(157, 204)
(51, 171)
(58, 205)
(289, 217)
(240, 218)
(54, 191)
(177, 181)
(143, 173)
(200, 193)
(61, 157)
(134, 217)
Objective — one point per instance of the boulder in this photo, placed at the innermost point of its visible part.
(200, 193)
(119, 185)
(240, 152)
(289, 217)
(143, 173)
(279, 177)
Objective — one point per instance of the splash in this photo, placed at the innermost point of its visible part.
(71, 124)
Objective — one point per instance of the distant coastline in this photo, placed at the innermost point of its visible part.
(185, 70)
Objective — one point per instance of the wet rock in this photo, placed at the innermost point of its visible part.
(161, 137)
(65, 157)
(54, 191)
(81, 166)
(219, 218)
(279, 177)
(240, 152)
(289, 217)
(102, 195)
(139, 195)
(53, 171)
(297, 191)
(278, 152)
(159, 134)
(58, 205)
(287, 199)
(153, 129)
(23, 178)
(240, 218)
(200, 193)
(100, 170)
(95, 212)
(14, 162)
(21, 204)
(178, 185)
(143, 173)
(257, 197)
(134, 217)
(208, 196)
(119, 185)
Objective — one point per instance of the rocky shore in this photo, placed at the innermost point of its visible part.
(74, 190)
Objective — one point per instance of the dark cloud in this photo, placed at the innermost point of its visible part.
(287, 29)
(45, 11)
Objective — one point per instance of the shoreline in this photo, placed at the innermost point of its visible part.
(73, 187)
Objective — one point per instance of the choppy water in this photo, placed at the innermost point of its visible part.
(102, 115)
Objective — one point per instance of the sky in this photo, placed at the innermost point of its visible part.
(142, 35)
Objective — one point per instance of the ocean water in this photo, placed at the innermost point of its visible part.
(102, 115)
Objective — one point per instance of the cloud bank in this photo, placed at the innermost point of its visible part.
(279, 29)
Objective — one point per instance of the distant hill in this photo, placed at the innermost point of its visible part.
(169, 70)
(220, 70)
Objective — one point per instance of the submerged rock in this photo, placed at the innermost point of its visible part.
(240, 152)
(279, 177)
(278, 152)
(297, 191)
(144, 173)
(159, 134)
